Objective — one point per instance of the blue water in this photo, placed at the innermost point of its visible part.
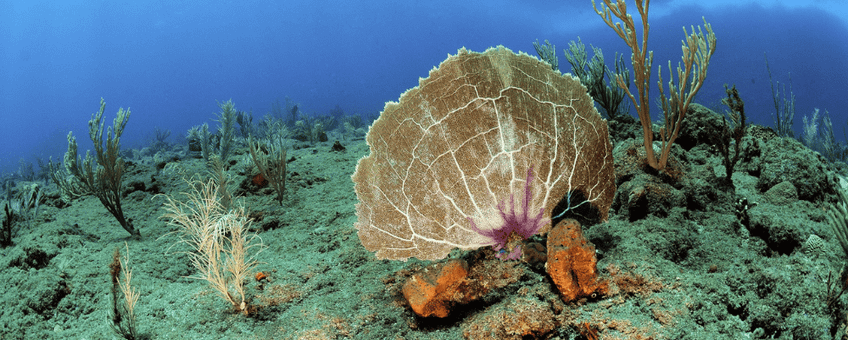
(171, 61)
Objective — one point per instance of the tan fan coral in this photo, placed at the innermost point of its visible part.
(463, 140)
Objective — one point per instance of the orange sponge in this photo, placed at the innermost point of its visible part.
(430, 292)
(572, 264)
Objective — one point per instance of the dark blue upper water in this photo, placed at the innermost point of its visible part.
(171, 61)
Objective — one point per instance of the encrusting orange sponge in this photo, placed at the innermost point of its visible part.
(431, 291)
(572, 264)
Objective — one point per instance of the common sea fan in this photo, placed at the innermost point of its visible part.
(517, 226)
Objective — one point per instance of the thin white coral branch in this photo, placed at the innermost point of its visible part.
(219, 239)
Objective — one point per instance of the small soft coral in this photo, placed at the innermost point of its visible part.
(517, 226)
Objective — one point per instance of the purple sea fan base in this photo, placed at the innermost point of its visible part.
(518, 226)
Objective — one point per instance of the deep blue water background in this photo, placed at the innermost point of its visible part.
(171, 61)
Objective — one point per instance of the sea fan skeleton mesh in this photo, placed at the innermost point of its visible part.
(463, 140)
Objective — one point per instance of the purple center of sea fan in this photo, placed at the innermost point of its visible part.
(517, 226)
